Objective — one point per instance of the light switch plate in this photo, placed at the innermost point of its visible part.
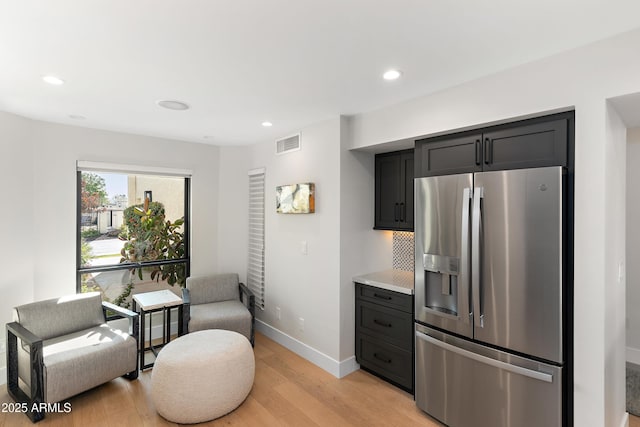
(303, 247)
(620, 271)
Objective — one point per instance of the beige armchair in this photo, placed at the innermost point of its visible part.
(61, 347)
(219, 302)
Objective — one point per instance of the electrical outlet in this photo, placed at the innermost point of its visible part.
(300, 324)
(2, 348)
(303, 247)
(278, 313)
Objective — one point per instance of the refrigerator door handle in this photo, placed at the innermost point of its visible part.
(463, 275)
(476, 278)
(537, 375)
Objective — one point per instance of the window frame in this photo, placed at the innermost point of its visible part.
(80, 270)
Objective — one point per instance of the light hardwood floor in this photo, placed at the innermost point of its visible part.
(288, 391)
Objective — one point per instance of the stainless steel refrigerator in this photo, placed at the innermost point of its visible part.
(488, 298)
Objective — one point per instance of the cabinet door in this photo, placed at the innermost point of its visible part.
(387, 185)
(448, 155)
(406, 192)
(527, 146)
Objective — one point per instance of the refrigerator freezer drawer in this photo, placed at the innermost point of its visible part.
(465, 384)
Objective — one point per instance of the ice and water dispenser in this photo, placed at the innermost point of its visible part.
(441, 283)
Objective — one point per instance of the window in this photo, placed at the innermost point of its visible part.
(132, 231)
(255, 264)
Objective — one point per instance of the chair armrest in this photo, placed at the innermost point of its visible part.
(185, 309)
(134, 321)
(36, 368)
(248, 298)
(120, 311)
(23, 333)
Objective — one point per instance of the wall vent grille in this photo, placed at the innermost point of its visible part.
(288, 144)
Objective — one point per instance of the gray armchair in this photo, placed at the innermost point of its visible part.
(61, 347)
(219, 302)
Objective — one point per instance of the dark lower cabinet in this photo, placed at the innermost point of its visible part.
(538, 142)
(384, 334)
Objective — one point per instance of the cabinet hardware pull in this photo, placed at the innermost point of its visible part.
(382, 296)
(402, 209)
(383, 359)
(377, 322)
(478, 152)
(487, 151)
(395, 212)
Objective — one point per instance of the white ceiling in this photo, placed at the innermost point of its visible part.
(238, 63)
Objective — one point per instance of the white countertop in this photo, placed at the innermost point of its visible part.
(392, 280)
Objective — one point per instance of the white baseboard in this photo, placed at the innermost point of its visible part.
(633, 355)
(625, 420)
(335, 368)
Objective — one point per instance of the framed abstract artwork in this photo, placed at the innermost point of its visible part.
(295, 198)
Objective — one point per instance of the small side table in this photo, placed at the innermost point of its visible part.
(151, 302)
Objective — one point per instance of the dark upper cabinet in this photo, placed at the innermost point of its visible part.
(449, 155)
(535, 145)
(394, 191)
(538, 142)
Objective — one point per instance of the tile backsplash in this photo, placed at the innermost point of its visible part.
(403, 258)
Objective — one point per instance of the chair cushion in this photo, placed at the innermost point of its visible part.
(228, 315)
(61, 316)
(82, 360)
(219, 287)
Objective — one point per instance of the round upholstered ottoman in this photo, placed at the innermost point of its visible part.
(202, 376)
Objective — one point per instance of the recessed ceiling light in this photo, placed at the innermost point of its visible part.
(173, 105)
(53, 80)
(391, 75)
(267, 124)
(76, 117)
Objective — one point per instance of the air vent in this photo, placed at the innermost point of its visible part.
(289, 144)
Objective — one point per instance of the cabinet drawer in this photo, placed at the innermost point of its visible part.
(386, 298)
(391, 325)
(386, 360)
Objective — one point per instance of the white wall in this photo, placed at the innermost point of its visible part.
(584, 78)
(633, 246)
(39, 174)
(58, 147)
(17, 217)
(233, 217)
(615, 165)
(304, 286)
(362, 249)
(340, 237)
